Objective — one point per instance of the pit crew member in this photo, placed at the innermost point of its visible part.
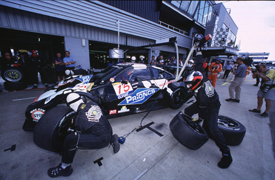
(207, 106)
(93, 131)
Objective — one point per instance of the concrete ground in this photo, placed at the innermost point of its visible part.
(144, 155)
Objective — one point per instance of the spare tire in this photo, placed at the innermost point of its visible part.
(232, 130)
(12, 75)
(188, 133)
(177, 98)
(11, 86)
(51, 130)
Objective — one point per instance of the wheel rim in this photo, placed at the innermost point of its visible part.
(225, 122)
(13, 75)
(178, 97)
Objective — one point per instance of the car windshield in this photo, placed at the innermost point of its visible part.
(105, 77)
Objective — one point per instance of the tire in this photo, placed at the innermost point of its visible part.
(11, 86)
(191, 135)
(51, 129)
(177, 98)
(232, 130)
(12, 75)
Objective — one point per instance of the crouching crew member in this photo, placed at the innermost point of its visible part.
(93, 131)
(207, 105)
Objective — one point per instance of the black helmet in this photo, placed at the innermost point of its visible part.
(194, 80)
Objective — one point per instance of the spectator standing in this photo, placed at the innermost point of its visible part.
(153, 61)
(161, 60)
(228, 68)
(69, 61)
(236, 84)
(267, 89)
(214, 69)
(36, 65)
(60, 68)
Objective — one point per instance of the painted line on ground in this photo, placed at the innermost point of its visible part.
(226, 82)
(24, 99)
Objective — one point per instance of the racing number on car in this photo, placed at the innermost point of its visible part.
(124, 87)
(122, 90)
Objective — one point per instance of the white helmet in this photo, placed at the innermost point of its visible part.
(74, 100)
(69, 72)
(190, 63)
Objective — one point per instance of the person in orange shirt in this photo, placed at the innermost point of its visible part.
(247, 71)
(214, 70)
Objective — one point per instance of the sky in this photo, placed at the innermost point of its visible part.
(256, 23)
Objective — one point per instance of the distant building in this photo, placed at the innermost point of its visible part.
(255, 56)
(89, 29)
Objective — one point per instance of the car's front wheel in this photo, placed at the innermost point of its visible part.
(51, 130)
(177, 98)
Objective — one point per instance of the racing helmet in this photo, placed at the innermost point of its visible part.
(74, 100)
(190, 63)
(194, 80)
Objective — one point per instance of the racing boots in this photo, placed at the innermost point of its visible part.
(115, 143)
(59, 171)
(225, 161)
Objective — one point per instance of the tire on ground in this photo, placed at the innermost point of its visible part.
(51, 129)
(186, 134)
(12, 75)
(177, 98)
(11, 86)
(232, 130)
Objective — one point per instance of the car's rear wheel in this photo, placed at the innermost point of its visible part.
(52, 128)
(177, 98)
(188, 133)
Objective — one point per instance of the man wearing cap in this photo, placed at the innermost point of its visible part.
(69, 61)
(214, 70)
(92, 131)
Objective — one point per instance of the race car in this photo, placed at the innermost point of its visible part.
(121, 89)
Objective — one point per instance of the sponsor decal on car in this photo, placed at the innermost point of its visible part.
(122, 90)
(37, 114)
(123, 109)
(85, 79)
(112, 79)
(139, 96)
(114, 111)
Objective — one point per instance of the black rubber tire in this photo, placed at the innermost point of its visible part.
(192, 137)
(232, 130)
(11, 86)
(177, 98)
(51, 129)
(12, 75)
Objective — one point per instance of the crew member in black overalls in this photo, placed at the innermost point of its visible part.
(207, 105)
(36, 65)
(93, 131)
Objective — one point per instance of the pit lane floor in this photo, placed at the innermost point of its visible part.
(144, 155)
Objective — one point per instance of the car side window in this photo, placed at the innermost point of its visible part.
(161, 74)
(126, 75)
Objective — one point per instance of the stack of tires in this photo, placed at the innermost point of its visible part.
(14, 78)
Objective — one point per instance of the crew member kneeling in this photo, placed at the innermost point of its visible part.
(207, 105)
(93, 131)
